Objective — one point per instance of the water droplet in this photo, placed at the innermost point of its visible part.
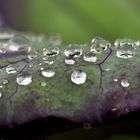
(69, 61)
(10, 69)
(43, 84)
(48, 73)
(5, 82)
(78, 77)
(99, 45)
(125, 83)
(125, 51)
(24, 79)
(90, 57)
(115, 80)
(73, 50)
(1, 86)
(51, 51)
(107, 69)
(41, 68)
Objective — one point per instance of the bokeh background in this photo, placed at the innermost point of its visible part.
(77, 21)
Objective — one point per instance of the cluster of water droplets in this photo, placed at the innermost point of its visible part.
(126, 48)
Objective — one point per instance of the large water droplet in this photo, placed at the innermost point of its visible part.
(125, 51)
(90, 57)
(99, 45)
(69, 61)
(73, 50)
(10, 69)
(51, 51)
(48, 73)
(78, 77)
(125, 83)
(24, 79)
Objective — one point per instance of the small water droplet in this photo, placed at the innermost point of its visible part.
(78, 77)
(73, 50)
(10, 69)
(43, 84)
(90, 57)
(48, 73)
(99, 45)
(125, 51)
(107, 69)
(69, 61)
(51, 51)
(24, 79)
(125, 83)
(5, 82)
(115, 80)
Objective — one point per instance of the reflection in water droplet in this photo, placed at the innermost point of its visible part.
(125, 51)
(10, 69)
(43, 84)
(51, 51)
(73, 50)
(125, 83)
(24, 79)
(69, 61)
(5, 82)
(99, 45)
(90, 57)
(78, 77)
(48, 73)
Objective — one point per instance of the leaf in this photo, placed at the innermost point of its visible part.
(27, 95)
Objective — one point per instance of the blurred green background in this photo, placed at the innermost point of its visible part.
(77, 21)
